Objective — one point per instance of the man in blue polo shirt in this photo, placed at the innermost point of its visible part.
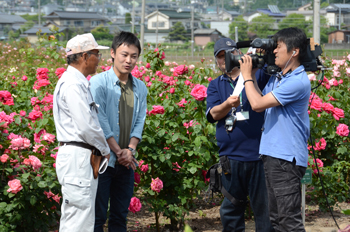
(238, 145)
(284, 140)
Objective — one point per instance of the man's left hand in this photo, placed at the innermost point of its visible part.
(246, 66)
(127, 159)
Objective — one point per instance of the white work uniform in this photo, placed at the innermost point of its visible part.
(76, 120)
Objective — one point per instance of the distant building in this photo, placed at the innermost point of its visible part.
(339, 36)
(12, 22)
(204, 36)
(222, 26)
(336, 12)
(273, 12)
(83, 20)
(160, 22)
(306, 11)
(32, 36)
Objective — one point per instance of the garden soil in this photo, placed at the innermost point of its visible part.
(206, 218)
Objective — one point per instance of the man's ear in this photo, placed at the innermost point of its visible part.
(112, 53)
(296, 52)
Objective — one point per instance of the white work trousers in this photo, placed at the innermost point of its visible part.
(74, 172)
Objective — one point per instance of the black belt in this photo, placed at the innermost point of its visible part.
(78, 144)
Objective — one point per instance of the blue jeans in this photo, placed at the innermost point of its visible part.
(116, 185)
(246, 178)
(284, 192)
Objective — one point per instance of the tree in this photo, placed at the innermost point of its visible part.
(178, 32)
(101, 33)
(262, 26)
(128, 18)
(26, 26)
(242, 28)
(296, 20)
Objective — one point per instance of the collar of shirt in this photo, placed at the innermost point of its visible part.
(116, 80)
(80, 77)
(224, 77)
(296, 71)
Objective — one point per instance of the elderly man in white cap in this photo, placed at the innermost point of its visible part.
(79, 133)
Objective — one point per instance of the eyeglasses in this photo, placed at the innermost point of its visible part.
(98, 55)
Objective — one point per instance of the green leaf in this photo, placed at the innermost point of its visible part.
(33, 200)
(193, 170)
(42, 184)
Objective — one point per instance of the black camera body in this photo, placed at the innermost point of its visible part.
(310, 60)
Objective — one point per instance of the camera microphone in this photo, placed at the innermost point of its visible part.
(243, 44)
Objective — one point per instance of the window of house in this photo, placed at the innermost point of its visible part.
(78, 23)
(95, 23)
(66, 22)
(160, 24)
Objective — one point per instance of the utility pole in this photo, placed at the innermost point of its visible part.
(142, 25)
(157, 25)
(192, 36)
(339, 25)
(133, 17)
(39, 13)
(222, 10)
(316, 30)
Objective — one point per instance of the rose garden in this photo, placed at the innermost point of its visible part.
(178, 143)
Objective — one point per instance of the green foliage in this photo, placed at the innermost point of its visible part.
(242, 28)
(34, 18)
(210, 46)
(335, 155)
(166, 142)
(29, 209)
(295, 20)
(128, 18)
(26, 26)
(101, 33)
(262, 26)
(178, 32)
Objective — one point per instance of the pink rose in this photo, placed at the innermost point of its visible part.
(41, 83)
(180, 70)
(157, 109)
(319, 163)
(34, 115)
(157, 184)
(88, 77)
(15, 186)
(328, 107)
(20, 143)
(340, 81)
(147, 79)
(163, 56)
(338, 113)
(144, 168)
(135, 205)
(156, 50)
(35, 162)
(22, 113)
(343, 130)
(172, 90)
(199, 92)
(24, 78)
(210, 79)
(49, 137)
(26, 162)
(56, 198)
(4, 158)
(148, 65)
(321, 145)
(316, 104)
(59, 72)
(182, 102)
(312, 77)
(137, 178)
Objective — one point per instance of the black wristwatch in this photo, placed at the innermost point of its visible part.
(133, 151)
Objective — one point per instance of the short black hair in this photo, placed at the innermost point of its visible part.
(73, 59)
(293, 37)
(126, 38)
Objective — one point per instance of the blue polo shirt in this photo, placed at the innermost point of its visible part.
(287, 127)
(242, 143)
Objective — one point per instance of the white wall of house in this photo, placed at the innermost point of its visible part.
(163, 22)
(152, 37)
(331, 19)
(222, 26)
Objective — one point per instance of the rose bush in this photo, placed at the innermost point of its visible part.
(178, 143)
(329, 121)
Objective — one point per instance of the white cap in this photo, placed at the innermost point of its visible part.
(82, 43)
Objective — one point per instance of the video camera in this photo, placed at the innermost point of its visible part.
(311, 61)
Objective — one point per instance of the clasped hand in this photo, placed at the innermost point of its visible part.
(126, 159)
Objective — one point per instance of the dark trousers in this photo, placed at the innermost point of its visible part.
(117, 186)
(284, 192)
(246, 178)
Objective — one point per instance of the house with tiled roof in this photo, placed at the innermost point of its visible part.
(11, 22)
(160, 22)
(206, 35)
(272, 11)
(70, 19)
